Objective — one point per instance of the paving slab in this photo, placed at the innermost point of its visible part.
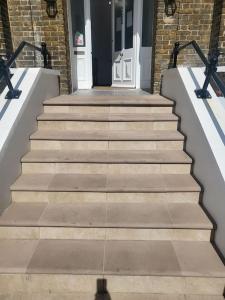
(106, 117)
(109, 215)
(67, 257)
(110, 100)
(107, 135)
(107, 183)
(108, 156)
(15, 255)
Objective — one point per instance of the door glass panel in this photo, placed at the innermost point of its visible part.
(129, 12)
(147, 23)
(78, 23)
(118, 24)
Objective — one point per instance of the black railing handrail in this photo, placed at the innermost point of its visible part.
(4, 66)
(43, 50)
(211, 67)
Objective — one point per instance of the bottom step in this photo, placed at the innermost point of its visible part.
(171, 267)
(107, 296)
(75, 285)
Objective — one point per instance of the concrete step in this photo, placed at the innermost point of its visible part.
(107, 140)
(107, 109)
(105, 145)
(104, 121)
(108, 156)
(116, 221)
(108, 117)
(120, 162)
(135, 183)
(106, 296)
(171, 267)
(96, 168)
(107, 135)
(71, 197)
(105, 188)
(109, 100)
(112, 104)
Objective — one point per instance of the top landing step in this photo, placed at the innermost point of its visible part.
(110, 100)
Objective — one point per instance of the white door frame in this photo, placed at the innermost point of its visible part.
(138, 7)
(87, 84)
(86, 81)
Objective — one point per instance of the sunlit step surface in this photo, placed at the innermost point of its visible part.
(116, 221)
(106, 296)
(108, 156)
(110, 258)
(106, 161)
(109, 100)
(107, 183)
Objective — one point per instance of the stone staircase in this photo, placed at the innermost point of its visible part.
(106, 208)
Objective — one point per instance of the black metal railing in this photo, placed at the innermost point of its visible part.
(5, 66)
(210, 64)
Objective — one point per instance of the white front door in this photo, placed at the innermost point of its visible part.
(123, 64)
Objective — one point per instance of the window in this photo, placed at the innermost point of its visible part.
(78, 23)
(118, 22)
(129, 10)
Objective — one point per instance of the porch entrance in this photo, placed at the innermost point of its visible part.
(101, 33)
(111, 43)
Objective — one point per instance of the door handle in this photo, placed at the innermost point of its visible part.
(121, 55)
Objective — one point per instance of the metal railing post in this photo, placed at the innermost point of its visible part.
(45, 54)
(175, 54)
(210, 70)
(12, 93)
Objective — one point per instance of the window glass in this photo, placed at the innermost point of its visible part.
(147, 23)
(129, 21)
(118, 22)
(78, 23)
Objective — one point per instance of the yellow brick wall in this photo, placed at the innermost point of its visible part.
(29, 22)
(192, 21)
(202, 20)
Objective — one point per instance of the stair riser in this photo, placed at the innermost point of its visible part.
(71, 197)
(113, 296)
(44, 283)
(105, 109)
(86, 125)
(93, 168)
(101, 233)
(106, 145)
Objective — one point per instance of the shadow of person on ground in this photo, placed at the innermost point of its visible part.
(102, 293)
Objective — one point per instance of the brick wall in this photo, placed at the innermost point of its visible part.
(192, 21)
(2, 40)
(30, 22)
(222, 34)
(199, 20)
(5, 35)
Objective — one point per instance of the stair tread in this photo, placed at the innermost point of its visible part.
(106, 215)
(103, 100)
(106, 135)
(113, 117)
(108, 156)
(107, 183)
(82, 257)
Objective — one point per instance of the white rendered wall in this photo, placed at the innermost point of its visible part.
(203, 122)
(18, 121)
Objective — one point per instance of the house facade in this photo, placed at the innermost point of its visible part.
(119, 43)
